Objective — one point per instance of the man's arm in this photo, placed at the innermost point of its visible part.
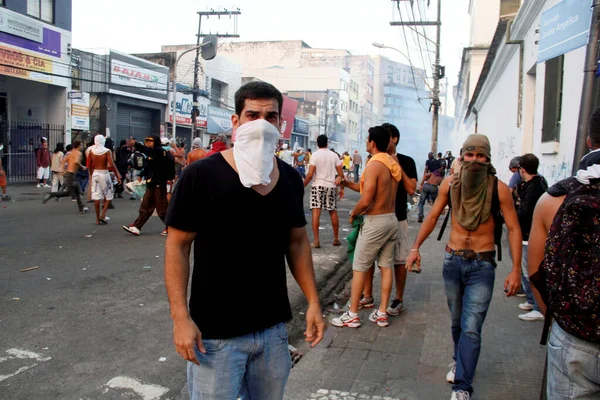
(515, 239)
(309, 176)
(429, 223)
(299, 259)
(115, 170)
(369, 189)
(177, 274)
(410, 184)
(537, 244)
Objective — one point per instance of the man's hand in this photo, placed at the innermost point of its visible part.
(414, 256)
(351, 218)
(315, 325)
(512, 283)
(185, 334)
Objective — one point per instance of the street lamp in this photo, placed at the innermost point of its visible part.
(210, 42)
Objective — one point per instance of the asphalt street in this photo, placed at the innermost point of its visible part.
(83, 309)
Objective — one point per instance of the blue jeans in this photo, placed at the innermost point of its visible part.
(428, 190)
(301, 170)
(525, 280)
(573, 367)
(469, 286)
(356, 168)
(253, 366)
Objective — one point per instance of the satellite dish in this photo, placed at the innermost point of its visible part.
(209, 47)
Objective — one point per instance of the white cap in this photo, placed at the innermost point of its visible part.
(284, 146)
(197, 142)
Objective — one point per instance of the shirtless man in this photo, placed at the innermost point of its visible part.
(377, 239)
(469, 265)
(99, 160)
(73, 160)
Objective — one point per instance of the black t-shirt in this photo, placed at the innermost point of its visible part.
(410, 169)
(432, 165)
(240, 247)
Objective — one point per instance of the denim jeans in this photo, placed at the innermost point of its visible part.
(525, 280)
(469, 286)
(573, 367)
(428, 190)
(356, 168)
(253, 366)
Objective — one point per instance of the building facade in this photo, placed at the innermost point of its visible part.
(528, 96)
(35, 55)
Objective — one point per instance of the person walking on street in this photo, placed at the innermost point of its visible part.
(534, 187)
(406, 188)
(42, 160)
(564, 269)
(157, 177)
(429, 189)
(377, 238)
(197, 153)
(323, 193)
(57, 166)
(246, 356)
(477, 197)
(74, 164)
(99, 161)
(357, 164)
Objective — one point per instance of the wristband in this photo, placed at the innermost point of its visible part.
(414, 249)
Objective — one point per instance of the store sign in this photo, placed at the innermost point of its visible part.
(184, 108)
(80, 112)
(22, 26)
(288, 113)
(219, 120)
(24, 65)
(126, 74)
(135, 77)
(564, 28)
(301, 126)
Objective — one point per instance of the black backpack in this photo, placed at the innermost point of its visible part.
(496, 213)
(139, 161)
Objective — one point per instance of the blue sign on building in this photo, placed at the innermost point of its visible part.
(564, 27)
(301, 126)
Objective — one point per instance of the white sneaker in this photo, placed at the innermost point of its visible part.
(451, 373)
(39, 185)
(532, 316)
(47, 186)
(132, 229)
(345, 320)
(526, 306)
(460, 395)
(380, 320)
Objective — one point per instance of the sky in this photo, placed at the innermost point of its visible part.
(139, 26)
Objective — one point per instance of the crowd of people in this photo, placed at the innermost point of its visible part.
(553, 237)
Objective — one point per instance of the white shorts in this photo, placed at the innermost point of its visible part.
(402, 244)
(102, 186)
(43, 173)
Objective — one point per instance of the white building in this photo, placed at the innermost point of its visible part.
(527, 100)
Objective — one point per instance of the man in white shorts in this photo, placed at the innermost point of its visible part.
(99, 161)
(323, 166)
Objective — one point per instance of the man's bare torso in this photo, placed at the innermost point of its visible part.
(384, 201)
(100, 162)
(73, 161)
(481, 239)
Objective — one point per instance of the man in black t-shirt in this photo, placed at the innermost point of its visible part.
(235, 350)
(406, 187)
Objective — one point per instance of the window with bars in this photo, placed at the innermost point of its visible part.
(42, 9)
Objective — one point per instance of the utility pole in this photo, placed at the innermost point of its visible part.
(438, 70)
(208, 14)
(587, 92)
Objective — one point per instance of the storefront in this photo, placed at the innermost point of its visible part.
(34, 83)
(219, 122)
(288, 114)
(300, 133)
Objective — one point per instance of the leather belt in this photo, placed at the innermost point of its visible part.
(489, 256)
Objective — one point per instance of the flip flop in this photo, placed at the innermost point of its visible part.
(316, 245)
(102, 222)
(337, 243)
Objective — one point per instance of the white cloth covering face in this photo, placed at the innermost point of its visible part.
(98, 148)
(254, 150)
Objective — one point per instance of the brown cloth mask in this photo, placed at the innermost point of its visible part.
(471, 194)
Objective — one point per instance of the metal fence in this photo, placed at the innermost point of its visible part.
(21, 141)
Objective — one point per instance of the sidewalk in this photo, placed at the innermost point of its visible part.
(409, 359)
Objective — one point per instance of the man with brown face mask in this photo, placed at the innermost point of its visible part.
(477, 198)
